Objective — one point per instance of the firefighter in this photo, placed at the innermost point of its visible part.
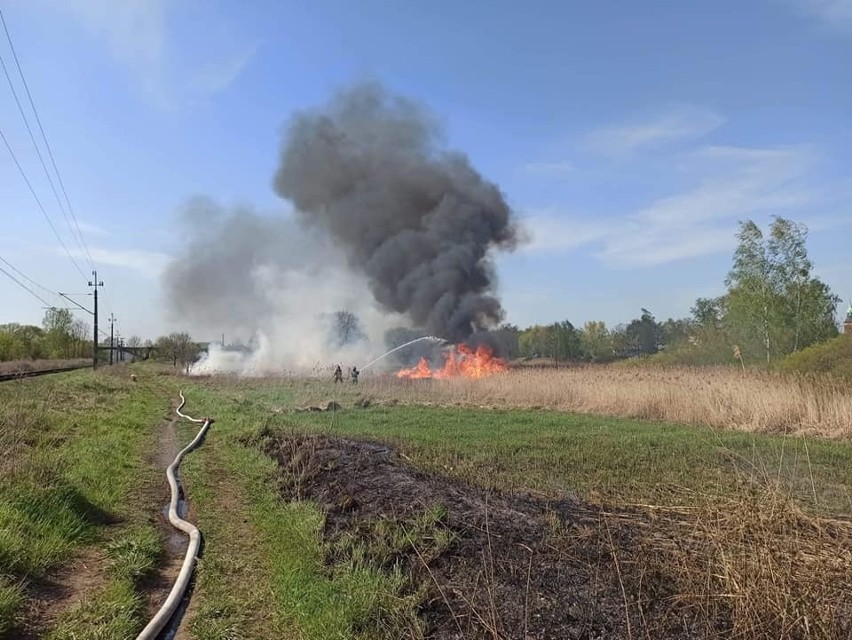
(354, 375)
(338, 374)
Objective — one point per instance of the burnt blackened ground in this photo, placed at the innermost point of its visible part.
(485, 565)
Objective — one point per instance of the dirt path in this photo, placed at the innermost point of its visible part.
(234, 576)
(51, 597)
(156, 588)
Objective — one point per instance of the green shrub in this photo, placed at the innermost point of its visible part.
(833, 357)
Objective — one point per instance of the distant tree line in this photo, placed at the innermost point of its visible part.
(773, 306)
(61, 336)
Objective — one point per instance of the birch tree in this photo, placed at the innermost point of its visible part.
(773, 298)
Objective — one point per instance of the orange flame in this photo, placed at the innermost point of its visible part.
(459, 362)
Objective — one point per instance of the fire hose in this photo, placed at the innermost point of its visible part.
(162, 617)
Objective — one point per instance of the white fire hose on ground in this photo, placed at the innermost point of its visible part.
(161, 619)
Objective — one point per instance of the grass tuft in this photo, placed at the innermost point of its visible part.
(114, 612)
(134, 555)
(213, 621)
(11, 600)
(42, 518)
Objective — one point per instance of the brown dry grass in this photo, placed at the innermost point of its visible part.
(716, 397)
(742, 556)
(756, 566)
(18, 366)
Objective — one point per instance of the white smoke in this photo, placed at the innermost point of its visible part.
(273, 288)
(299, 336)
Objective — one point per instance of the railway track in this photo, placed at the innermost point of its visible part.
(15, 375)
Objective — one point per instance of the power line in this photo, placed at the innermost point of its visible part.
(23, 286)
(25, 276)
(40, 286)
(76, 304)
(38, 297)
(38, 152)
(40, 206)
(46, 143)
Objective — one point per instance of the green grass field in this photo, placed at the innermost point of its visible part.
(553, 452)
(604, 460)
(78, 459)
(73, 465)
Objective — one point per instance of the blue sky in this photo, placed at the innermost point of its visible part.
(630, 136)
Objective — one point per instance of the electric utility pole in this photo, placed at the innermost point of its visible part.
(95, 284)
(111, 336)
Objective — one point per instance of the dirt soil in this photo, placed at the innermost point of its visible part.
(50, 597)
(516, 566)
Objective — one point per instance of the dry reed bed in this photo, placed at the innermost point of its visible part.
(755, 566)
(717, 397)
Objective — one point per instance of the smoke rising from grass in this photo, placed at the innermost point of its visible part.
(416, 219)
(266, 282)
(387, 225)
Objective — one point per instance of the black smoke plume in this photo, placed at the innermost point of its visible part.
(418, 220)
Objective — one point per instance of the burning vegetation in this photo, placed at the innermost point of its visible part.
(460, 361)
(384, 222)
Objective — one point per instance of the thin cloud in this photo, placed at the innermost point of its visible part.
(837, 271)
(142, 36)
(548, 231)
(826, 223)
(672, 126)
(835, 14)
(839, 277)
(217, 77)
(89, 229)
(654, 246)
(147, 263)
(733, 183)
(736, 181)
(134, 31)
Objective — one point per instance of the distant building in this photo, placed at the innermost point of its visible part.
(847, 325)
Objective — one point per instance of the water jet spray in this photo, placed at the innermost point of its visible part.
(434, 339)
